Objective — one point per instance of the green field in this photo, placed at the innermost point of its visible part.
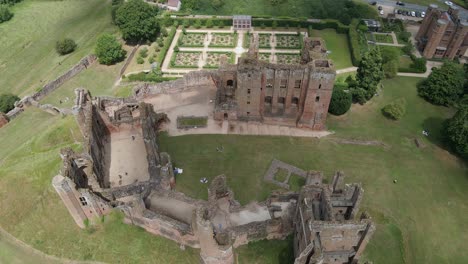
(338, 45)
(424, 210)
(28, 59)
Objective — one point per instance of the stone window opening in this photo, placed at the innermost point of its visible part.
(297, 84)
(283, 84)
(320, 86)
(225, 116)
(83, 201)
(281, 100)
(248, 113)
(268, 99)
(295, 101)
(230, 83)
(248, 91)
(269, 85)
(317, 98)
(248, 102)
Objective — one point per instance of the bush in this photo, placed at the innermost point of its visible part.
(65, 46)
(390, 69)
(404, 35)
(341, 101)
(395, 110)
(7, 102)
(140, 60)
(143, 52)
(109, 50)
(444, 86)
(5, 13)
(408, 48)
(353, 36)
(166, 45)
(419, 65)
(456, 131)
(137, 21)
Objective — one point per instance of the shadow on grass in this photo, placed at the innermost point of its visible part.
(434, 125)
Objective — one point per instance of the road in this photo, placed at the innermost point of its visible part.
(413, 7)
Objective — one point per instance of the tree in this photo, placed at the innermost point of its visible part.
(390, 57)
(274, 24)
(137, 21)
(444, 86)
(209, 23)
(456, 131)
(341, 101)
(395, 110)
(65, 46)
(109, 50)
(5, 13)
(7, 102)
(369, 73)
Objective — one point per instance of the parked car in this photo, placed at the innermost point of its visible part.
(423, 14)
(448, 3)
(413, 14)
(381, 12)
(400, 11)
(373, 3)
(418, 14)
(379, 8)
(395, 11)
(400, 3)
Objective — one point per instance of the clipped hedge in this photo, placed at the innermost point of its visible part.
(148, 77)
(167, 43)
(354, 46)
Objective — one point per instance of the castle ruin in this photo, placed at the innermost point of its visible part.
(122, 168)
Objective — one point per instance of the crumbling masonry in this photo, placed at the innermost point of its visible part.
(122, 168)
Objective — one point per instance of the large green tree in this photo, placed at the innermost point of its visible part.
(369, 73)
(5, 13)
(137, 21)
(444, 86)
(7, 102)
(456, 131)
(109, 49)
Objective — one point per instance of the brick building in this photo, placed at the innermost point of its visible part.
(442, 34)
(291, 95)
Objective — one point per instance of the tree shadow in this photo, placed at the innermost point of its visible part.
(435, 125)
(286, 255)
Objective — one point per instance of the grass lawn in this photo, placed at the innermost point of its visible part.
(383, 38)
(338, 45)
(426, 209)
(192, 121)
(405, 62)
(281, 175)
(28, 59)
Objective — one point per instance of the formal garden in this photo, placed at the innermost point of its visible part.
(213, 58)
(264, 41)
(287, 58)
(265, 56)
(185, 59)
(192, 40)
(223, 40)
(288, 41)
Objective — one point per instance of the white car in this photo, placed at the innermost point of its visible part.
(448, 3)
(423, 14)
(381, 12)
(413, 13)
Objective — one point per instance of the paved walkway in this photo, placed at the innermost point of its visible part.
(345, 70)
(429, 66)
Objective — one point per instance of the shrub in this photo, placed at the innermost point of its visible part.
(198, 24)
(404, 35)
(353, 36)
(209, 23)
(109, 50)
(408, 48)
(5, 13)
(395, 110)
(137, 21)
(359, 95)
(65, 46)
(444, 86)
(143, 52)
(7, 102)
(341, 101)
(370, 73)
(166, 45)
(140, 60)
(456, 131)
(390, 69)
(419, 65)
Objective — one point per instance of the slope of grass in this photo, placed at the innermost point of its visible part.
(33, 212)
(28, 59)
(425, 210)
(338, 45)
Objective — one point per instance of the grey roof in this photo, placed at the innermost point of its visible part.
(241, 17)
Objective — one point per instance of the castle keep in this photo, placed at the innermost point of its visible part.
(290, 95)
(443, 34)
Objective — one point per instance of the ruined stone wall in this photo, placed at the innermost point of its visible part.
(3, 119)
(51, 86)
(191, 80)
(149, 126)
